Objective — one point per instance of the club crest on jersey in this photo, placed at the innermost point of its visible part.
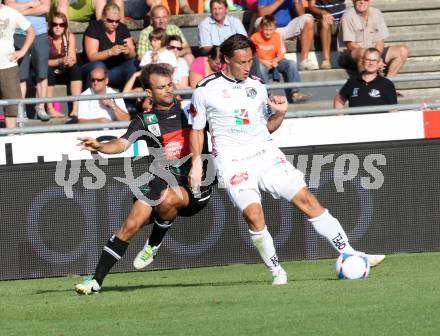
(154, 129)
(251, 92)
(150, 118)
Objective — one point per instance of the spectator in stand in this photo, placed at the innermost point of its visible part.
(10, 19)
(159, 53)
(79, 10)
(63, 66)
(328, 13)
(291, 22)
(108, 43)
(137, 9)
(216, 28)
(369, 88)
(181, 73)
(160, 17)
(364, 27)
(270, 50)
(38, 54)
(204, 66)
(104, 110)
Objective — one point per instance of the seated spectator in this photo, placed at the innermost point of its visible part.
(216, 28)
(159, 53)
(364, 27)
(104, 110)
(369, 88)
(63, 67)
(38, 54)
(160, 17)
(9, 72)
(328, 13)
(270, 50)
(181, 72)
(108, 43)
(292, 22)
(205, 65)
(137, 9)
(79, 10)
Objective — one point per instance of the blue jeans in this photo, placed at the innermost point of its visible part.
(117, 76)
(289, 71)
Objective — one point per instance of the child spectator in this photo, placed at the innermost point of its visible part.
(270, 52)
(160, 54)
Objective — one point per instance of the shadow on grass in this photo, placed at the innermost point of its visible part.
(180, 285)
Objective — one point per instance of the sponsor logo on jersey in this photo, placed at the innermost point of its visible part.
(236, 87)
(355, 92)
(251, 92)
(241, 116)
(172, 116)
(239, 178)
(373, 93)
(150, 118)
(154, 129)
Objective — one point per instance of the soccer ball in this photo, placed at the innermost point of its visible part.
(352, 267)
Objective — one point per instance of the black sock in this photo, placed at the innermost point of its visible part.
(112, 252)
(160, 228)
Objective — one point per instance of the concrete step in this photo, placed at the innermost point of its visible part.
(421, 48)
(402, 5)
(413, 18)
(414, 33)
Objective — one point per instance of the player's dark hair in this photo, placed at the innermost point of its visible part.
(160, 69)
(236, 42)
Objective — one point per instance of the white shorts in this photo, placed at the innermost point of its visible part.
(266, 169)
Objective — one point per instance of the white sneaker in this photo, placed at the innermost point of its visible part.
(373, 259)
(88, 286)
(279, 277)
(308, 64)
(145, 257)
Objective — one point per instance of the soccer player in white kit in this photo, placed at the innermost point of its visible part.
(241, 116)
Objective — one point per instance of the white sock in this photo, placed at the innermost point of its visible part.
(329, 227)
(263, 241)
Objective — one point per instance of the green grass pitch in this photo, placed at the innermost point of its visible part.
(400, 297)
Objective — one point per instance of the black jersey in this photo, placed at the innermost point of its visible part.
(167, 137)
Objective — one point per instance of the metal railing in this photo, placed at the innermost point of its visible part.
(21, 115)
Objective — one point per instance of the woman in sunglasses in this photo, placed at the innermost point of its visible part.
(108, 43)
(181, 72)
(63, 68)
(205, 65)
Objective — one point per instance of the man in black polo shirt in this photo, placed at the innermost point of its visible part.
(368, 88)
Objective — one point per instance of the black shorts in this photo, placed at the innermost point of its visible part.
(153, 189)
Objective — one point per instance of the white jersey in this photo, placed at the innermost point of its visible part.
(236, 111)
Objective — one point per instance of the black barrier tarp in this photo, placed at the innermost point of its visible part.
(45, 233)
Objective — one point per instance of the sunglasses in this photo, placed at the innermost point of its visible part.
(97, 79)
(171, 47)
(55, 24)
(112, 21)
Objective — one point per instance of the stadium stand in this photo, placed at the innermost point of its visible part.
(414, 23)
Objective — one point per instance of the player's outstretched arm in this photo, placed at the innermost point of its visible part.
(279, 106)
(114, 146)
(196, 140)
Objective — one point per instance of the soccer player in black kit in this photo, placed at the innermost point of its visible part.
(165, 128)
